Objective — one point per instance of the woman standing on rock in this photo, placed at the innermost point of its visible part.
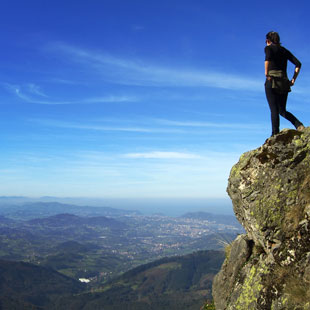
(277, 85)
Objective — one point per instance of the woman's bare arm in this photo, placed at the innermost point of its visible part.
(296, 72)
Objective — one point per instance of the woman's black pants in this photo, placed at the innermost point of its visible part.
(277, 105)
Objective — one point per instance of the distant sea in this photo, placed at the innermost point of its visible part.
(165, 206)
(174, 206)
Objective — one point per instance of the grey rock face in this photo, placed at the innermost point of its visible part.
(268, 268)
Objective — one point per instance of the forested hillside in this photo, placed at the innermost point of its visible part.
(26, 286)
(171, 283)
(182, 282)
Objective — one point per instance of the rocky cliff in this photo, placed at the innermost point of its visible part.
(269, 266)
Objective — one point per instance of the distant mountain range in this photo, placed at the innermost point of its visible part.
(24, 210)
(74, 220)
(32, 210)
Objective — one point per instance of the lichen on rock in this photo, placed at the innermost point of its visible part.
(269, 267)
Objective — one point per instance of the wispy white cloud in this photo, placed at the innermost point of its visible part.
(29, 88)
(135, 72)
(99, 127)
(199, 124)
(32, 93)
(162, 155)
(148, 125)
(66, 81)
(36, 90)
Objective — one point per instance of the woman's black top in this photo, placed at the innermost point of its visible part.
(278, 56)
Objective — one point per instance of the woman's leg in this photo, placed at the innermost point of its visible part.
(272, 101)
(282, 99)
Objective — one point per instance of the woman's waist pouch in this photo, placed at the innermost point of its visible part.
(279, 81)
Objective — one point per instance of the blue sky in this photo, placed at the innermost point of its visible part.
(138, 99)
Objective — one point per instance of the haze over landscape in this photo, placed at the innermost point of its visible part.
(138, 99)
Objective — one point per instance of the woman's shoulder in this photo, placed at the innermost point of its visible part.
(267, 49)
(276, 49)
(285, 51)
(273, 47)
(283, 48)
